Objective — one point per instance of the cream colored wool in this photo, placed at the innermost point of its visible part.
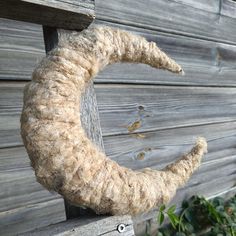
(64, 159)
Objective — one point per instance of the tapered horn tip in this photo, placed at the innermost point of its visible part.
(201, 143)
(175, 68)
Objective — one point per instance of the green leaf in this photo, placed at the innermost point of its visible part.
(182, 227)
(166, 232)
(213, 212)
(174, 220)
(161, 217)
(159, 234)
(189, 228)
(162, 207)
(218, 201)
(172, 209)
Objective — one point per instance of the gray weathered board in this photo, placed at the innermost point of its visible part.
(78, 14)
(148, 117)
(157, 142)
(210, 20)
(93, 226)
(206, 63)
(69, 14)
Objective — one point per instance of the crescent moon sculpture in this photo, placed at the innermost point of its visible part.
(63, 158)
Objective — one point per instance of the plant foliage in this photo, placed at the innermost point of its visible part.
(200, 216)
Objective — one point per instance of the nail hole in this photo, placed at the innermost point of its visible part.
(141, 108)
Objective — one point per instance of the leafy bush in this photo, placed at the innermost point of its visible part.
(199, 216)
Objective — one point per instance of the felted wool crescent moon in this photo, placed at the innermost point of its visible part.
(63, 157)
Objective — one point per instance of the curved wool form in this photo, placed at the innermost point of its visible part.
(64, 159)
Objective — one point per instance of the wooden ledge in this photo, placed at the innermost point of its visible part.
(70, 14)
(100, 225)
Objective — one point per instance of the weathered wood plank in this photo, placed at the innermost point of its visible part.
(207, 188)
(132, 108)
(219, 149)
(127, 109)
(90, 116)
(11, 105)
(21, 47)
(225, 164)
(169, 16)
(221, 153)
(202, 181)
(228, 8)
(209, 6)
(85, 6)
(93, 226)
(19, 188)
(13, 158)
(78, 14)
(221, 156)
(158, 148)
(195, 76)
(166, 144)
(205, 63)
(29, 217)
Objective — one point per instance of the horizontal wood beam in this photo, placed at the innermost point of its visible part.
(109, 226)
(28, 216)
(70, 14)
(212, 20)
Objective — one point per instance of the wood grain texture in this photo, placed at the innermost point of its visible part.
(176, 17)
(228, 8)
(159, 148)
(13, 158)
(219, 158)
(90, 116)
(85, 6)
(11, 105)
(21, 48)
(19, 188)
(120, 106)
(23, 201)
(29, 217)
(162, 107)
(145, 125)
(208, 6)
(205, 63)
(93, 226)
(68, 14)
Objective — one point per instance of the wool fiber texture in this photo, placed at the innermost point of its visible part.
(63, 157)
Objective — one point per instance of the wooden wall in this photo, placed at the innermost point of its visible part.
(148, 117)
(24, 204)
